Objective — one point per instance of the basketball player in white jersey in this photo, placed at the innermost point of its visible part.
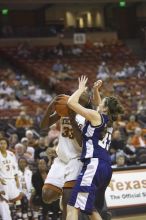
(66, 167)
(8, 174)
(5, 213)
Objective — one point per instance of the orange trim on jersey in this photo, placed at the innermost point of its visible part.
(17, 198)
(52, 187)
(69, 184)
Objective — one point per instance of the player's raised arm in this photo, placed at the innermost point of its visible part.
(73, 103)
(96, 99)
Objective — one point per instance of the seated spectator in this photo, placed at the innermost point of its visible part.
(141, 117)
(76, 50)
(23, 50)
(103, 71)
(4, 101)
(40, 149)
(141, 155)
(117, 143)
(19, 150)
(141, 106)
(29, 150)
(38, 118)
(58, 67)
(13, 140)
(131, 125)
(2, 134)
(38, 179)
(120, 160)
(5, 89)
(23, 120)
(13, 103)
(29, 134)
(138, 140)
(24, 81)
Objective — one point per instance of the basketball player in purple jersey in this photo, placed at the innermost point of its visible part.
(96, 172)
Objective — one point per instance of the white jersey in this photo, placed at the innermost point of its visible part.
(8, 166)
(25, 181)
(68, 148)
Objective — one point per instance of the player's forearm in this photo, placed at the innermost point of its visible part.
(78, 135)
(76, 130)
(74, 99)
(96, 97)
(49, 119)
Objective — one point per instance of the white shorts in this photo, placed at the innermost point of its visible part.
(60, 172)
(5, 211)
(10, 189)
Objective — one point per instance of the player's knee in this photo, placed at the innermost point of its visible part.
(70, 210)
(49, 195)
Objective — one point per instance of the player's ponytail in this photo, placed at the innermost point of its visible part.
(114, 108)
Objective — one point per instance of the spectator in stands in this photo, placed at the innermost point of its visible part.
(29, 150)
(13, 140)
(2, 134)
(60, 49)
(13, 103)
(19, 150)
(23, 120)
(141, 117)
(38, 118)
(138, 139)
(4, 101)
(40, 149)
(141, 106)
(120, 160)
(121, 74)
(131, 125)
(58, 67)
(117, 143)
(23, 50)
(7, 31)
(103, 71)
(38, 179)
(24, 81)
(5, 89)
(29, 134)
(76, 50)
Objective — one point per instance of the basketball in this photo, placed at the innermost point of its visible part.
(61, 106)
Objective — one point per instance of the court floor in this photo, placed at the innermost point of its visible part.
(135, 217)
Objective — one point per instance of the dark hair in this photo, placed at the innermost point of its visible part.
(5, 139)
(114, 107)
(22, 158)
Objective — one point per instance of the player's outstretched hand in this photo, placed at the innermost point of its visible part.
(97, 84)
(82, 83)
